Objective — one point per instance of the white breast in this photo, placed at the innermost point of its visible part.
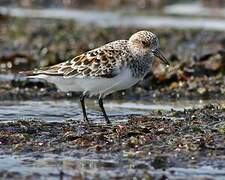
(93, 86)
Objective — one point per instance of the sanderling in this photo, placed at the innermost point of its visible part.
(112, 67)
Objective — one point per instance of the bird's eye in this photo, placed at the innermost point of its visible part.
(144, 43)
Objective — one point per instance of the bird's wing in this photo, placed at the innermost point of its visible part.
(100, 62)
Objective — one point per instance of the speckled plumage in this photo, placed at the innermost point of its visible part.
(105, 61)
(115, 66)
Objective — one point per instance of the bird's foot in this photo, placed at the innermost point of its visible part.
(85, 119)
(107, 120)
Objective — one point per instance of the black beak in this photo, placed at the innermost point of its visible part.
(160, 55)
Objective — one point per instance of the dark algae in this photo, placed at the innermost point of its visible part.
(151, 143)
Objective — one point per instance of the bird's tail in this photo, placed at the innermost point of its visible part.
(32, 74)
(27, 73)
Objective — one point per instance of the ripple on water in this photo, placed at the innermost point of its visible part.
(65, 110)
(53, 166)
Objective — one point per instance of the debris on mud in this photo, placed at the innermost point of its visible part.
(159, 140)
(198, 129)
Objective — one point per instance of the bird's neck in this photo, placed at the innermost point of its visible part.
(141, 65)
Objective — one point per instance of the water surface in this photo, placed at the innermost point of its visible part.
(64, 109)
(61, 167)
(117, 19)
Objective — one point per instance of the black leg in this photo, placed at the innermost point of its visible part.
(82, 96)
(100, 102)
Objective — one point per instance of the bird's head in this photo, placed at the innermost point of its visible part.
(146, 43)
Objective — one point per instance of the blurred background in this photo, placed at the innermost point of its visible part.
(110, 4)
(36, 33)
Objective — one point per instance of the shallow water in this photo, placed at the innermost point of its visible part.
(64, 109)
(62, 167)
(117, 19)
(197, 9)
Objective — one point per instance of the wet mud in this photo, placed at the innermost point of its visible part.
(150, 145)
